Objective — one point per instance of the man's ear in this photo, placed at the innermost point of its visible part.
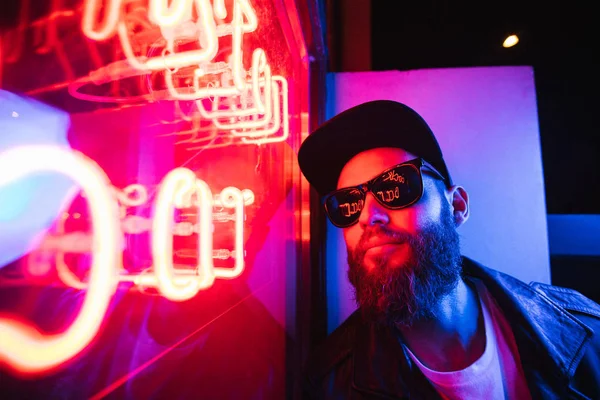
(459, 200)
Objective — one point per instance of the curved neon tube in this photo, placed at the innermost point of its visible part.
(164, 15)
(206, 25)
(176, 190)
(90, 16)
(232, 197)
(285, 120)
(22, 346)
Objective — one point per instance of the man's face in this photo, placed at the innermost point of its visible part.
(401, 261)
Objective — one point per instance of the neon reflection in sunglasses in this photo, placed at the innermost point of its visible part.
(395, 188)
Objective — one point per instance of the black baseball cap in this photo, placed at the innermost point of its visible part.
(380, 123)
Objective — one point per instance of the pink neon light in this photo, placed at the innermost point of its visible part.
(63, 271)
(239, 78)
(251, 125)
(234, 198)
(131, 196)
(136, 195)
(22, 346)
(176, 190)
(259, 65)
(219, 8)
(253, 111)
(164, 15)
(265, 135)
(206, 26)
(91, 11)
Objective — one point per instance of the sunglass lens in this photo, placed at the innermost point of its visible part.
(399, 187)
(344, 207)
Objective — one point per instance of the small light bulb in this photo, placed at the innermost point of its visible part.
(15, 114)
(510, 41)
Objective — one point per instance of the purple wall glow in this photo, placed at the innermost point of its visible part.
(486, 122)
(29, 206)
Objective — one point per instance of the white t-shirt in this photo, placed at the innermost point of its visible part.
(497, 374)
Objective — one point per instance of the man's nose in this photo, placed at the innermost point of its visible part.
(373, 212)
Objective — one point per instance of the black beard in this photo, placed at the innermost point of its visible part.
(400, 295)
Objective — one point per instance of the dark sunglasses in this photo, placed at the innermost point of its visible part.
(395, 188)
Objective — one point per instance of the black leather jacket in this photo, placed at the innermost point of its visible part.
(557, 332)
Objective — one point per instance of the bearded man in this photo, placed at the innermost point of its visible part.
(431, 323)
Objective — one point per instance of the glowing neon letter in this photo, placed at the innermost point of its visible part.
(233, 198)
(91, 11)
(176, 190)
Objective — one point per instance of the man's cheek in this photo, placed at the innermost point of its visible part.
(352, 238)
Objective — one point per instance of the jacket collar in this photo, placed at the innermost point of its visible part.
(550, 341)
(382, 369)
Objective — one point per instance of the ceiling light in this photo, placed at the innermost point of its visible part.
(510, 41)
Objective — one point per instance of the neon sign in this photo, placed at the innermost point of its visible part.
(137, 195)
(248, 105)
(22, 346)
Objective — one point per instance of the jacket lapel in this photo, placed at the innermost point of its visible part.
(383, 370)
(550, 341)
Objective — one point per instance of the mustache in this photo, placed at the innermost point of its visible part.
(382, 232)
